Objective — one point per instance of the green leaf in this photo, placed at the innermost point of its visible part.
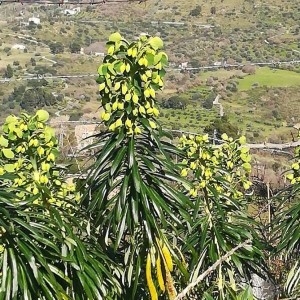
(3, 141)
(8, 153)
(156, 43)
(102, 70)
(157, 58)
(150, 58)
(115, 37)
(11, 119)
(136, 177)
(42, 115)
(117, 161)
(164, 61)
(131, 153)
(49, 133)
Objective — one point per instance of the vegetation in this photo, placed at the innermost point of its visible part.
(240, 32)
(151, 217)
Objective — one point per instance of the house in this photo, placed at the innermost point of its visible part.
(83, 135)
(35, 20)
(18, 47)
(72, 12)
(183, 65)
(102, 54)
(218, 63)
(97, 48)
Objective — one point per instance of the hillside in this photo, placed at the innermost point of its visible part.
(195, 35)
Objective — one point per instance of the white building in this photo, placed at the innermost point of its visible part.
(35, 20)
(102, 54)
(72, 12)
(19, 47)
(183, 65)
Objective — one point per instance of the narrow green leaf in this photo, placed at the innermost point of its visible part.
(117, 161)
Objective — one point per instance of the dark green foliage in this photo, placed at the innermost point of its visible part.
(222, 125)
(196, 11)
(56, 47)
(9, 73)
(75, 47)
(175, 102)
(208, 102)
(44, 257)
(37, 98)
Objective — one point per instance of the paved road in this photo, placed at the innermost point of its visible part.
(211, 67)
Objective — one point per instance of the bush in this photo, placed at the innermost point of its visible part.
(196, 11)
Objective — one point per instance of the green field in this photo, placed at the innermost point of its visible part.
(270, 77)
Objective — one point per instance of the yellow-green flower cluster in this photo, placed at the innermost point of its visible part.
(128, 80)
(294, 174)
(28, 150)
(224, 167)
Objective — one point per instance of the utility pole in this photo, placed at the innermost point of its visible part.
(214, 136)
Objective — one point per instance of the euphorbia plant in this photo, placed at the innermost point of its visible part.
(28, 150)
(220, 178)
(130, 195)
(286, 233)
(45, 250)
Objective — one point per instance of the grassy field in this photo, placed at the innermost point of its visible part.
(194, 118)
(270, 77)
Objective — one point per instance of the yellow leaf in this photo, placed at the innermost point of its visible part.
(101, 86)
(115, 106)
(184, 172)
(127, 97)
(111, 50)
(129, 52)
(122, 68)
(152, 124)
(167, 257)
(112, 127)
(224, 137)
(137, 130)
(120, 105)
(142, 110)
(147, 93)
(150, 111)
(159, 274)
(124, 89)
(128, 123)
(135, 98)
(134, 52)
(118, 123)
(150, 284)
(117, 86)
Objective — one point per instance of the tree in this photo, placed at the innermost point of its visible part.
(75, 47)
(56, 47)
(196, 11)
(9, 73)
(175, 102)
(33, 61)
(222, 125)
(213, 10)
(209, 100)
